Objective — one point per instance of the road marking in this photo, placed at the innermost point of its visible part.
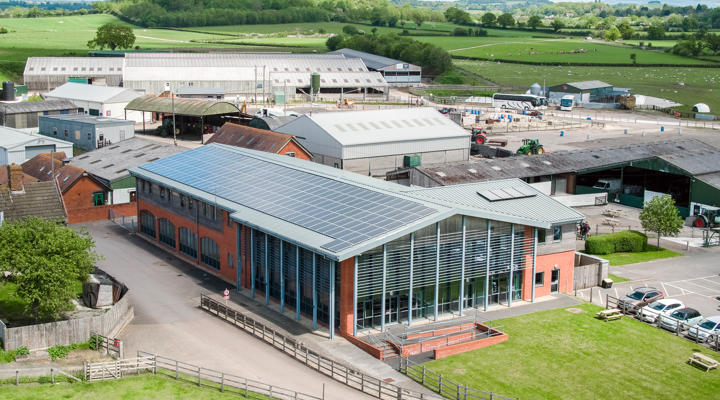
(617, 296)
(682, 290)
(693, 279)
(664, 289)
(708, 280)
(600, 298)
(704, 287)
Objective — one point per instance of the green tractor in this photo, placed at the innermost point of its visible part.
(531, 146)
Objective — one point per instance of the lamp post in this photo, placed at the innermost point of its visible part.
(168, 88)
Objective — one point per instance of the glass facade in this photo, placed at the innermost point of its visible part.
(460, 262)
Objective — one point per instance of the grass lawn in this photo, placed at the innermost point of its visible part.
(617, 279)
(558, 354)
(652, 253)
(698, 84)
(11, 306)
(140, 387)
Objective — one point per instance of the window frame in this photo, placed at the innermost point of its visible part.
(542, 235)
(557, 229)
(210, 252)
(541, 274)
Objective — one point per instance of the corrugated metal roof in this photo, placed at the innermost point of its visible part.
(200, 91)
(196, 179)
(270, 122)
(94, 93)
(82, 66)
(37, 106)
(383, 126)
(556, 162)
(711, 179)
(272, 62)
(587, 85)
(113, 162)
(373, 61)
(11, 138)
(539, 209)
(182, 106)
(695, 163)
(330, 79)
(90, 119)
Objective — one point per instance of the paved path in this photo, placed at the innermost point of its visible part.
(165, 293)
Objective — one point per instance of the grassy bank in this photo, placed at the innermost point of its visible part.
(652, 253)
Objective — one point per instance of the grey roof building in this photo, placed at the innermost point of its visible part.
(86, 131)
(584, 92)
(396, 72)
(47, 73)
(25, 114)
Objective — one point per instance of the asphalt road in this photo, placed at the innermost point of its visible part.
(165, 293)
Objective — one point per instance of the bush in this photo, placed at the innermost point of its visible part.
(56, 352)
(627, 241)
(460, 32)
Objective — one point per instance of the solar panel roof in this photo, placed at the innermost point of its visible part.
(348, 213)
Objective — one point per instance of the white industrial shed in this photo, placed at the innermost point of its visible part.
(104, 101)
(17, 146)
(47, 73)
(248, 74)
(375, 142)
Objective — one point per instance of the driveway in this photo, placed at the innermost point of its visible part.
(165, 292)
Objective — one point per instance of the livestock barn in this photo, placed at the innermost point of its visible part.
(47, 73)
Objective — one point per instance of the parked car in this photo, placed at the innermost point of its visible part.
(639, 298)
(652, 311)
(686, 317)
(706, 329)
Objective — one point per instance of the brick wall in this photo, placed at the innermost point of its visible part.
(80, 194)
(347, 275)
(476, 344)
(225, 239)
(291, 147)
(97, 213)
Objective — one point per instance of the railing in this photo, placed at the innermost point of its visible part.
(221, 380)
(112, 347)
(444, 386)
(119, 368)
(655, 318)
(326, 366)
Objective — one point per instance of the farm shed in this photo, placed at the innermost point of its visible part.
(104, 101)
(17, 146)
(375, 142)
(686, 169)
(584, 92)
(261, 140)
(201, 93)
(47, 73)
(271, 225)
(25, 114)
(86, 131)
(395, 72)
(110, 164)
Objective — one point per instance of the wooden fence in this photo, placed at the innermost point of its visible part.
(43, 336)
(291, 347)
(25, 375)
(589, 271)
(443, 386)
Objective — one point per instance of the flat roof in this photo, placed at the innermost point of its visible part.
(11, 138)
(586, 85)
(337, 213)
(182, 106)
(37, 106)
(90, 120)
(94, 93)
(113, 162)
(200, 91)
(372, 61)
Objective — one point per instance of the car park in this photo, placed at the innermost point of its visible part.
(685, 317)
(658, 308)
(706, 329)
(638, 298)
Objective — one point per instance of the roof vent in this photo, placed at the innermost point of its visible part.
(496, 168)
(441, 174)
(547, 162)
(473, 170)
(525, 165)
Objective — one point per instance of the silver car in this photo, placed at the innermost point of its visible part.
(640, 297)
(685, 317)
(705, 329)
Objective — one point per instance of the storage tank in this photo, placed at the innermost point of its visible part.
(536, 89)
(8, 91)
(315, 83)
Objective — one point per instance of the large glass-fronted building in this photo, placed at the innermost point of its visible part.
(350, 252)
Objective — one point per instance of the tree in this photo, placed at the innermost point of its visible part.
(350, 30)
(660, 215)
(47, 261)
(626, 31)
(488, 19)
(506, 20)
(113, 36)
(612, 34)
(333, 42)
(557, 24)
(712, 42)
(418, 17)
(458, 16)
(633, 57)
(534, 21)
(656, 31)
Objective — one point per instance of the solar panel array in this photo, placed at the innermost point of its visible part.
(350, 214)
(519, 192)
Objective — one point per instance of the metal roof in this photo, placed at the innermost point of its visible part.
(182, 106)
(587, 85)
(695, 163)
(270, 122)
(200, 91)
(556, 162)
(113, 162)
(273, 62)
(11, 138)
(373, 61)
(382, 126)
(330, 79)
(90, 119)
(37, 106)
(94, 93)
(84, 66)
(712, 179)
(333, 212)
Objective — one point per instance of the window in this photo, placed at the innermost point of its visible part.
(229, 220)
(190, 203)
(182, 201)
(542, 235)
(66, 132)
(188, 242)
(290, 154)
(167, 232)
(557, 233)
(230, 260)
(98, 198)
(55, 131)
(133, 196)
(210, 253)
(142, 185)
(77, 134)
(539, 279)
(147, 224)
(162, 192)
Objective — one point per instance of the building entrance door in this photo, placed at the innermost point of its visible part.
(392, 309)
(555, 281)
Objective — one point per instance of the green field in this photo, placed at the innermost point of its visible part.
(559, 354)
(130, 388)
(698, 84)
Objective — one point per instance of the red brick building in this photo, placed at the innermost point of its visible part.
(261, 140)
(350, 252)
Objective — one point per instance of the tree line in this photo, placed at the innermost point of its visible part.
(433, 59)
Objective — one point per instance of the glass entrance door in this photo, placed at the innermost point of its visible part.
(555, 281)
(391, 309)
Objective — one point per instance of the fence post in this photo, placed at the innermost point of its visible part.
(423, 375)
(465, 397)
(271, 396)
(222, 382)
(176, 369)
(440, 383)
(399, 393)
(52, 375)
(246, 387)
(457, 392)
(323, 392)
(199, 376)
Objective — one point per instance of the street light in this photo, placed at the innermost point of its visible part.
(168, 88)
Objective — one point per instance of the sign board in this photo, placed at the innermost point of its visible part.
(226, 294)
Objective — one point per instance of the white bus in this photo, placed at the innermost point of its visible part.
(566, 102)
(519, 101)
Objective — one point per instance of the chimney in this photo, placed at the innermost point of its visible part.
(15, 175)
